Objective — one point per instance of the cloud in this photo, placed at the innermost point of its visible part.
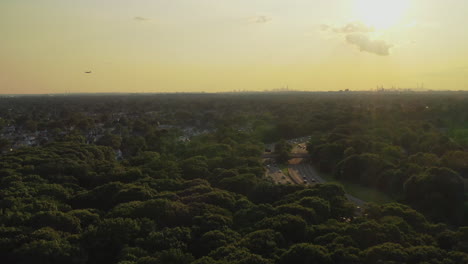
(260, 19)
(357, 34)
(353, 27)
(324, 27)
(364, 43)
(141, 19)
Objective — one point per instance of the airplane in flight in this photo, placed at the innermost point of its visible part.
(88, 72)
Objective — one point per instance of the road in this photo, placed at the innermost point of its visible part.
(307, 172)
(300, 169)
(277, 175)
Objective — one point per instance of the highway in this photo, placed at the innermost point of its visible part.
(306, 171)
(300, 169)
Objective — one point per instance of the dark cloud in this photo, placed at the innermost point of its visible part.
(364, 43)
(141, 19)
(260, 19)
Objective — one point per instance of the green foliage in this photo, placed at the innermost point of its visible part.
(244, 183)
(57, 220)
(290, 226)
(263, 242)
(195, 167)
(168, 238)
(387, 252)
(215, 239)
(104, 241)
(438, 192)
(205, 200)
(110, 140)
(456, 160)
(306, 254)
(364, 168)
(283, 150)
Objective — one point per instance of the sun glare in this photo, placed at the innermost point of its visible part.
(381, 13)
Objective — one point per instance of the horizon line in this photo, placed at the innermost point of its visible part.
(231, 92)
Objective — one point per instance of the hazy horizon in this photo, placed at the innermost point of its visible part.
(165, 46)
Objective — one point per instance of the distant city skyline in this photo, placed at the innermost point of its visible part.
(160, 46)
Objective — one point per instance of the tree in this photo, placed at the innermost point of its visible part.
(290, 226)
(244, 183)
(57, 220)
(307, 214)
(215, 239)
(425, 160)
(385, 252)
(168, 238)
(174, 256)
(328, 155)
(4, 144)
(195, 167)
(53, 251)
(110, 140)
(208, 222)
(236, 255)
(263, 242)
(105, 240)
(283, 150)
(131, 146)
(30, 125)
(456, 160)
(364, 168)
(305, 254)
(319, 205)
(438, 192)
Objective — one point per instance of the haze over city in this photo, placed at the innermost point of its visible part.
(223, 45)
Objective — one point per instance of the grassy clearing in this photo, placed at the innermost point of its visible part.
(364, 193)
(460, 135)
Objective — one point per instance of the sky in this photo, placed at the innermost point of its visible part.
(46, 46)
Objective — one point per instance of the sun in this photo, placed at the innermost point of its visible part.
(381, 14)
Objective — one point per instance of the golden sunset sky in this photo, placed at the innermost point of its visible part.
(223, 45)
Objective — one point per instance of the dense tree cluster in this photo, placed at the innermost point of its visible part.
(283, 150)
(74, 203)
(401, 150)
(206, 201)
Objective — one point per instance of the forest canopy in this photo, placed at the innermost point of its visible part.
(180, 179)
